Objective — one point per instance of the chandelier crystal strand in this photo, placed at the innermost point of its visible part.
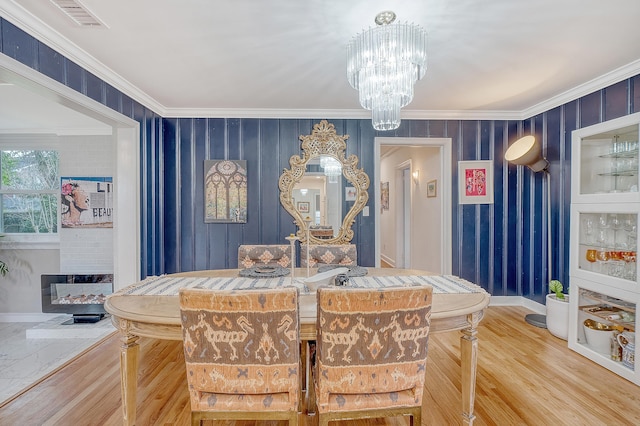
(383, 64)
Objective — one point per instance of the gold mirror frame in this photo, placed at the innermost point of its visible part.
(323, 140)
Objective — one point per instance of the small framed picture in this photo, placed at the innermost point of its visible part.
(475, 182)
(303, 206)
(349, 193)
(432, 188)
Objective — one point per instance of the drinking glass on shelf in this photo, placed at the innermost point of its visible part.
(615, 222)
(588, 230)
(630, 265)
(591, 255)
(602, 221)
(602, 238)
(602, 259)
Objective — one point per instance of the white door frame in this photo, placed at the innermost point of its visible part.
(126, 137)
(403, 204)
(444, 190)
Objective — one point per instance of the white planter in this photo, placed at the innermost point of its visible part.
(558, 316)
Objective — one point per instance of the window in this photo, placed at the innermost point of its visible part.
(29, 191)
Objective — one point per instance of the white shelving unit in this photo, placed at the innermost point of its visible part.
(605, 212)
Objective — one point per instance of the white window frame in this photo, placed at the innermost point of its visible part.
(35, 142)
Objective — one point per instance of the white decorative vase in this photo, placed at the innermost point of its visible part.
(558, 316)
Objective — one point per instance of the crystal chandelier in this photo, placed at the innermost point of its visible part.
(332, 168)
(383, 63)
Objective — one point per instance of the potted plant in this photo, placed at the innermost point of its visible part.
(557, 310)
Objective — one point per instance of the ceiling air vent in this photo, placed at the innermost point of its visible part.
(78, 13)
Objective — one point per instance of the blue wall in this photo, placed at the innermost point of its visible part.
(500, 246)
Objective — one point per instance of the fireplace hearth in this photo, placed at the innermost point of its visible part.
(82, 296)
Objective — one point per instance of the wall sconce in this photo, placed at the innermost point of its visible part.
(304, 191)
(416, 176)
(527, 152)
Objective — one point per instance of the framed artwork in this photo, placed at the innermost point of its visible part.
(349, 193)
(475, 182)
(432, 188)
(384, 195)
(225, 191)
(86, 202)
(303, 206)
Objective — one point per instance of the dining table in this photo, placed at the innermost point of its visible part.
(150, 308)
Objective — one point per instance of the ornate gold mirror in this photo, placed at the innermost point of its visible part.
(321, 185)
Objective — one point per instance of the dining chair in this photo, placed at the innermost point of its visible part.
(264, 255)
(371, 352)
(241, 350)
(332, 254)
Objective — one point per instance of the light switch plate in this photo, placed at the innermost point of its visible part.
(365, 211)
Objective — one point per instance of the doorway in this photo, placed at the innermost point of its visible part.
(403, 218)
(125, 134)
(420, 234)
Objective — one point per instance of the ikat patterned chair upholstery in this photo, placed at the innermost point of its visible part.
(332, 254)
(371, 352)
(264, 255)
(242, 353)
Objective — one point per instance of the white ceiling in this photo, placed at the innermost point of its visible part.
(487, 59)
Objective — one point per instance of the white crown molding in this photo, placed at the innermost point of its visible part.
(41, 31)
(265, 113)
(21, 18)
(598, 83)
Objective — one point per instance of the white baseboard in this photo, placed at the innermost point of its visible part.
(26, 317)
(388, 260)
(536, 307)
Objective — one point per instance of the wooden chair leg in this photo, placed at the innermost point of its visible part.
(195, 419)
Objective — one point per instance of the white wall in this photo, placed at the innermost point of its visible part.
(87, 250)
(425, 212)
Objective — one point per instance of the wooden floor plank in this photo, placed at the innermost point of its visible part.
(525, 377)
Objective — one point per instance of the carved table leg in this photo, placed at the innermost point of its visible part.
(129, 351)
(469, 362)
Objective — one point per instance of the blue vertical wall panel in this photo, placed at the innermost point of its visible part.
(252, 154)
(616, 100)
(200, 254)
(19, 45)
(113, 97)
(51, 63)
(512, 231)
(74, 76)
(591, 109)
(634, 90)
(171, 200)
(184, 187)
(94, 88)
(270, 170)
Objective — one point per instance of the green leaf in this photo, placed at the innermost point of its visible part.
(555, 286)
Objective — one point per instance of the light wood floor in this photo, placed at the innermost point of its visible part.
(525, 377)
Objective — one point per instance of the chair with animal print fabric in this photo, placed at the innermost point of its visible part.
(264, 255)
(331, 254)
(242, 353)
(371, 352)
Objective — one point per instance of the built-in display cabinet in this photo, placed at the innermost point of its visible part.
(605, 212)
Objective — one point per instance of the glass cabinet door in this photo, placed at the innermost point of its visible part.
(608, 243)
(609, 162)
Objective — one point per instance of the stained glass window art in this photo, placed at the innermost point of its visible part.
(225, 186)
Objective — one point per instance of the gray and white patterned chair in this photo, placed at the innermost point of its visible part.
(264, 255)
(329, 254)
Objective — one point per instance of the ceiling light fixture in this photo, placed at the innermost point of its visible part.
(383, 64)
